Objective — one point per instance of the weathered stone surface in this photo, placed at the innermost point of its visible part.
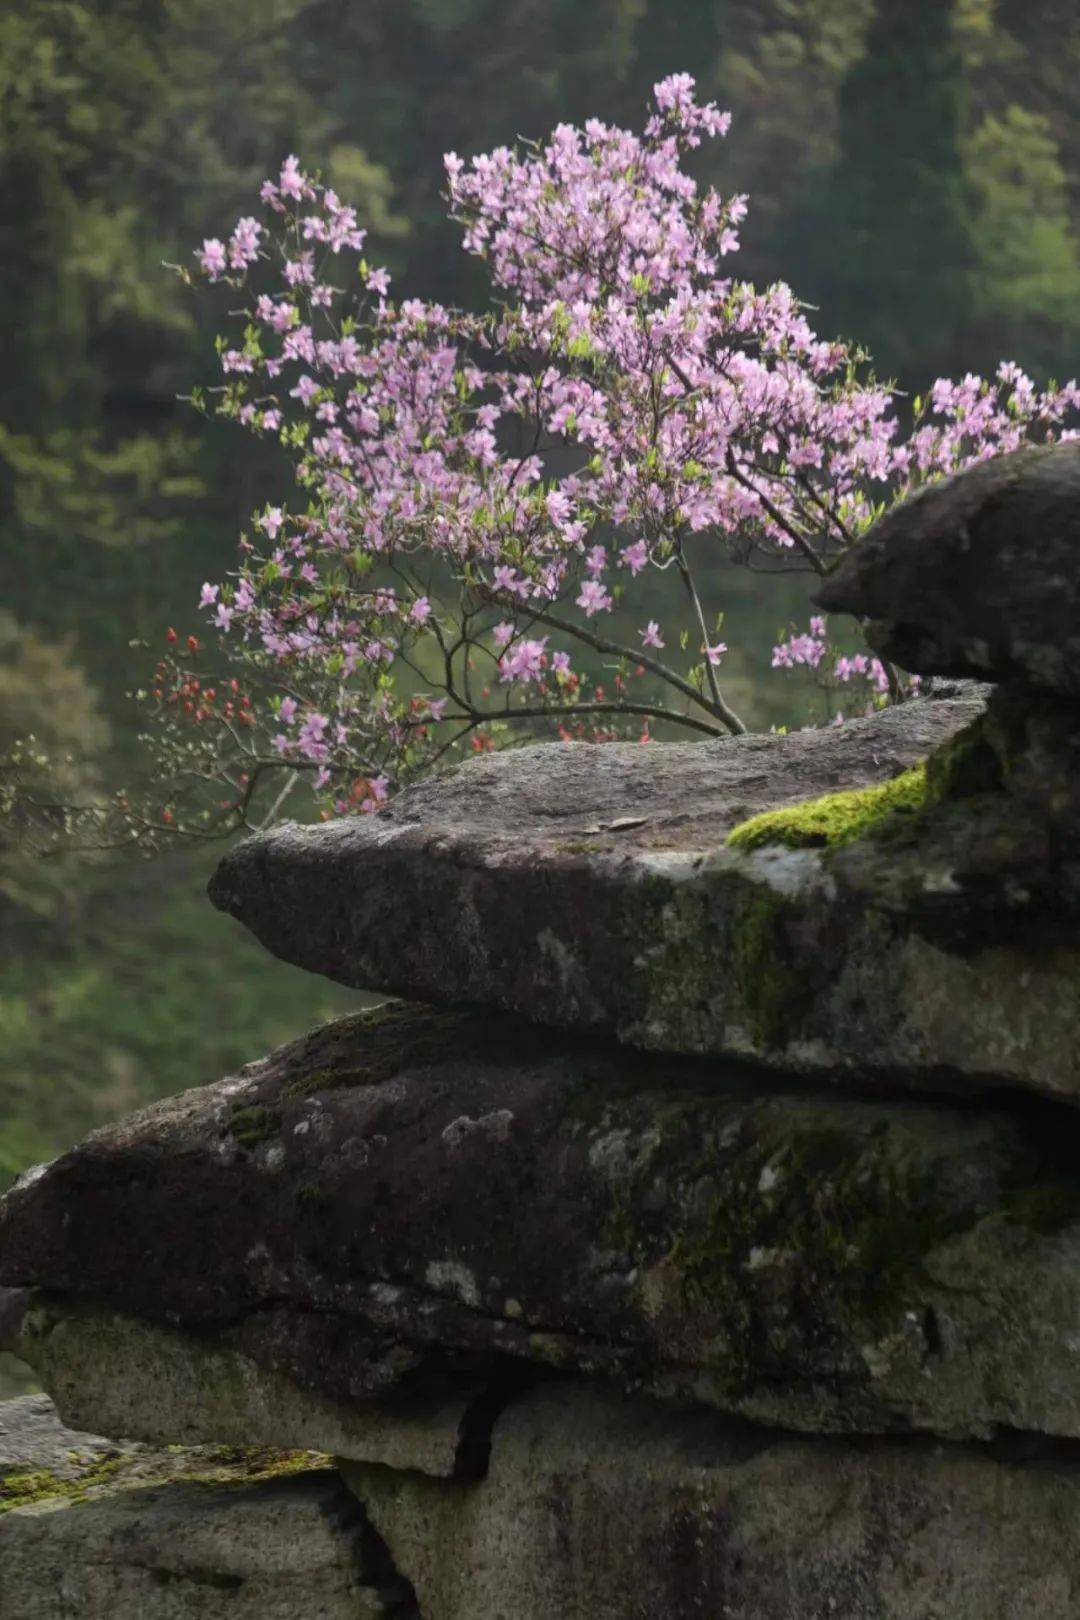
(150, 1383)
(106, 1532)
(600, 1510)
(589, 886)
(411, 1201)
(33, 1439)
(978, 574)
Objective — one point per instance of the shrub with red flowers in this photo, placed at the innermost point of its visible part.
(477, 493)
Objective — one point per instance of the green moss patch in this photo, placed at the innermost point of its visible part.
(840, 1242)
(23, 1487)
(375, 1046)
(967, 765)
(190, 1465)
(836, 818)
(769, 993)
(252, 1125)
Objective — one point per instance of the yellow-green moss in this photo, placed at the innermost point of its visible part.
(837, 818)
(200, 1465)
(22, 1487)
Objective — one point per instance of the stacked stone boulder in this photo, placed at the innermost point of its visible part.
(699, 1235)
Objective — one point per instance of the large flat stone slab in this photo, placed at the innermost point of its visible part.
(591, 887)
(106, 1532)
(595, 1509)
(150, 1383)
(411, 1202)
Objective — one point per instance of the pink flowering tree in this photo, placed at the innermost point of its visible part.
(482, 499)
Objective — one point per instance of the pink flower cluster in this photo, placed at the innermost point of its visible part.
(810, 649)
(483, 496)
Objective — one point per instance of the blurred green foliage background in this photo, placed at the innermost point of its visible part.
(913, 171)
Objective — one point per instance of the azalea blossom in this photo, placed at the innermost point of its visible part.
(635, 557)
(592, 598)
(212, 257)
(525, 662)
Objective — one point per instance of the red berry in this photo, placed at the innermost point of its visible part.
(170, 636)
(192, 644)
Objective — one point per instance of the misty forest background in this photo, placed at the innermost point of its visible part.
(913, 171)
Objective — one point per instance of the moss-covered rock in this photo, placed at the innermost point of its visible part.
(139, 1466)
(568, 910)
(804, 900)
(115, 1531)
(520, 1199)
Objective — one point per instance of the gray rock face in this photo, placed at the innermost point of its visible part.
(977, 575)
(590, 887)
(149, 1383)
(596, 1509)
(106, 1532)
(409, 1203)
(32, 1439)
